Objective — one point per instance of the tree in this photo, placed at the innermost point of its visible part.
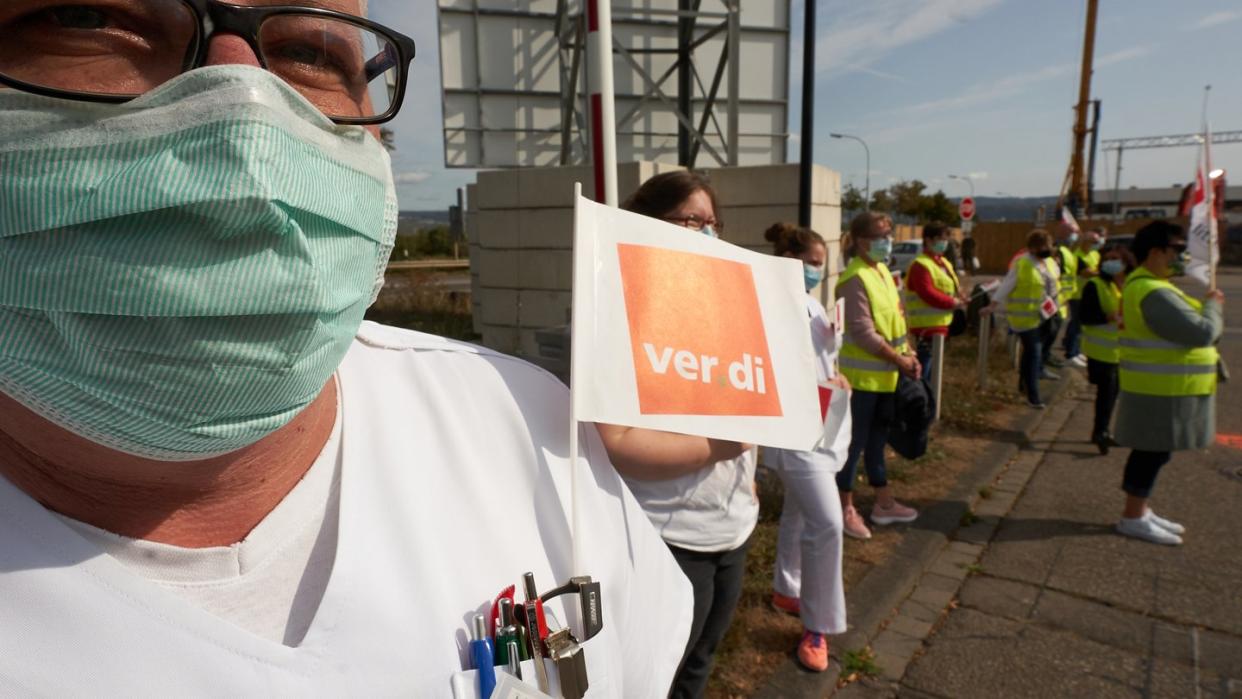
(939, 207)
(881, 200)
(908, 197)
(852, 199)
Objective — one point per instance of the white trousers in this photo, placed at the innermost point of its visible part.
(808, 550)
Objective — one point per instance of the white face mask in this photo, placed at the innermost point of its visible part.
(184, 272)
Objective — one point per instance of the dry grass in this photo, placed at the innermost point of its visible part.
(761, 638)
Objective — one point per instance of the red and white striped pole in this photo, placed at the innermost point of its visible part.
(603, 109)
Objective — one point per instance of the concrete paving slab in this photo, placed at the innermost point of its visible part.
(907, 625)
(1004, 598)
(1098, 622)
(966, 548)
(1215, 651)
(980, 656)
(918, 610)
(893, 652)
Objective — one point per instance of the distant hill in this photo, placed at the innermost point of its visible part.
(411, 222)
(1012, 208)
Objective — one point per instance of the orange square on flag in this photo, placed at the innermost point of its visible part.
(697, 335)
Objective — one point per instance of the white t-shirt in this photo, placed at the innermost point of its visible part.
(271, 582)
(712, 509)
(454, 481)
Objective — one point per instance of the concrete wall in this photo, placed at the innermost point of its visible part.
(519, 224)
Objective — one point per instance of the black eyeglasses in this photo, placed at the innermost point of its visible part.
(695, 223)
(354, 70)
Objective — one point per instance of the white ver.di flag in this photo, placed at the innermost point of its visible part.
(677, 331)
(1202, 240)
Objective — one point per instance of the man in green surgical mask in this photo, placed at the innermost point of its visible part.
(210, 467)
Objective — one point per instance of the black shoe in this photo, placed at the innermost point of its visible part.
(1102, 442)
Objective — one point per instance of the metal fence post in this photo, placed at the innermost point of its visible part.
(985, 344)
(937, 362)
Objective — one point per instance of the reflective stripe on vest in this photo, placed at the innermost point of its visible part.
(1100, 342)
(919, 313)
(1152, 365)
(864, 370)
(1022, 306)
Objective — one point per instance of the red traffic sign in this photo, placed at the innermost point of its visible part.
(967, 208)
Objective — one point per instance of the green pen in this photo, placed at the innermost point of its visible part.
(507, 635)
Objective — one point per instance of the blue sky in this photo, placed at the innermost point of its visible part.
(979, 87)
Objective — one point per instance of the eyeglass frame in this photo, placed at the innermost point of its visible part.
(716, 224)
(214, 16)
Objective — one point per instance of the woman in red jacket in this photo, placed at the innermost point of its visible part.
(933, 292)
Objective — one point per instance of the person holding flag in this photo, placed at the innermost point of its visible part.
(807, 580)
(874, 354)
(697, 492)
(1168, 374)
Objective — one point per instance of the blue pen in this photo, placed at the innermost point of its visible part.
(481, 654)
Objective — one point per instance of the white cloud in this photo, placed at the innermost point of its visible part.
(412, 177)
(1216, 18)
(861, 33)
(1014, 84)
(977, 175)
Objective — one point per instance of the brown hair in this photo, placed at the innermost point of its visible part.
(864, 225)
(1038, 238)
(788, 239)
(660, 196)
(935, 229)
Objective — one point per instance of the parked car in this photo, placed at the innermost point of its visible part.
(903, 254)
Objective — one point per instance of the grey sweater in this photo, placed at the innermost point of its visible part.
(1159, 423)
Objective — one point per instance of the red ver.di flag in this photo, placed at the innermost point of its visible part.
(677, 331)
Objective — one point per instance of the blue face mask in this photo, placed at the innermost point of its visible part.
(811, 275)
(940, 247)
(1097, 244)
(880, 249)
(184, 273)
(709, 231)
(1112, 267)
(1071, 239)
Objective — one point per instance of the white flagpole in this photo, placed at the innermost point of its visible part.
(573, 400)
(1209, 193)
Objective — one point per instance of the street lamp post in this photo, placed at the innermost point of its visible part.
(968, 181)
(867, 189)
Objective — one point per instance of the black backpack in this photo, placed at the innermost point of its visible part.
(915, 410)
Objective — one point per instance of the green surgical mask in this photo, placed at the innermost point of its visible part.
(183, 273)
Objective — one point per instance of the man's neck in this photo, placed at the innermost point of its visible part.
(213, 502)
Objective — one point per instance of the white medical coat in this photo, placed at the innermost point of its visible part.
(454, 481)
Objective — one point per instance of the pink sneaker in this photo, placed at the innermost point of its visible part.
(854, 524)
(897, 512)
(789, 605)
(813, 651)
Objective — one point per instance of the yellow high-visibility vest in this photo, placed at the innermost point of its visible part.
(1152, 365)
(866, 371)
(945, 280)
(1022, 306)
(1099, 342)
(1086, 260)
(1069, 278)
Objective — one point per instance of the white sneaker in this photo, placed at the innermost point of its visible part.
(1143, 528)
(1166, 524)
(1078, 361)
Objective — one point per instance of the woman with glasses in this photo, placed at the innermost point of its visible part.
(875, 353)
(699, 493)
(1168, 375)
(214, 477)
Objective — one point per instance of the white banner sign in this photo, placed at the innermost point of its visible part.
(1203, 238)
(677, 331)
